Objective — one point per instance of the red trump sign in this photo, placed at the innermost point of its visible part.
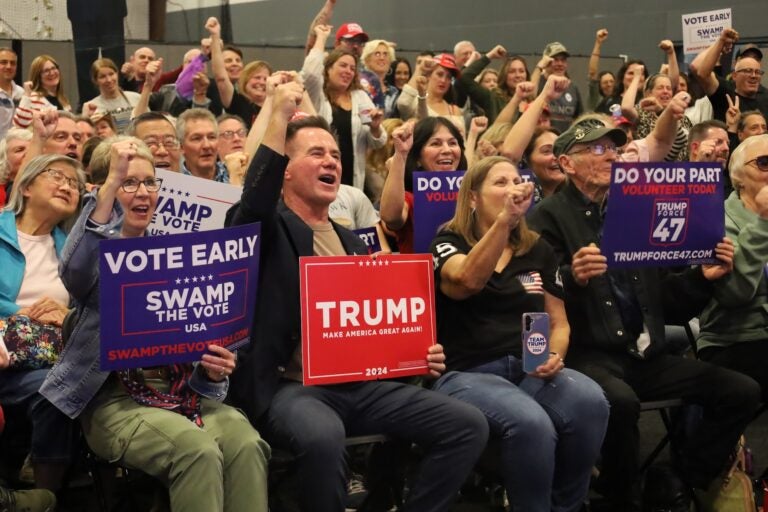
(366, 319)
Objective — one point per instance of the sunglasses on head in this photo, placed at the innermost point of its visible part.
(761, 162)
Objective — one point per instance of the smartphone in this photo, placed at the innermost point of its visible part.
(535, 340)
(365, 116)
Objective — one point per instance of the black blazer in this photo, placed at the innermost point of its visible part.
(276, 331)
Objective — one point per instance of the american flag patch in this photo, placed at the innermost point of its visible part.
(531, 281)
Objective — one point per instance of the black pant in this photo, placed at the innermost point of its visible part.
(313, 422)
(747, 357)
(728, 399)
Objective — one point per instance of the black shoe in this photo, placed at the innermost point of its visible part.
(665, 491)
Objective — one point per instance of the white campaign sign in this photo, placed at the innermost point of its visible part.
(701, 29)
(187, 204)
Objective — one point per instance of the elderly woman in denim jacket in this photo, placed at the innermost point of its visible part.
(167, 421)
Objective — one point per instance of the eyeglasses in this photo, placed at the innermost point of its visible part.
(50, 71)
(230, 134)
(750, 72)
(761, 162)
(597, 149)
(131, 185)
(353, 41)
(59, 178)
(169, 142)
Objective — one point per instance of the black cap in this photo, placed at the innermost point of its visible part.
(750, 50)
(585, 131)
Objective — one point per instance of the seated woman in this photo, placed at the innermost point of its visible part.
(490, 269)
(427, 93)
(13, 148)
(167, 421)
(733, 325)
(45, 197)
(433, 144)
(333, 85)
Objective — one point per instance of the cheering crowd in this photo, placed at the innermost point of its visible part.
(332, 146)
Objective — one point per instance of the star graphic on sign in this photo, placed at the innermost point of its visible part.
(181, 193)
(367, 263)
(194, 279)
(381, 263)
(186, 280)
(202, 278)
(171, 191)
(361, 263)
(163, 189)
(386, 262)
(210, 277)
(178, 281)
(187, 194)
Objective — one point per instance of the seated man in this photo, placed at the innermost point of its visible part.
(302, 158)
(617, 320)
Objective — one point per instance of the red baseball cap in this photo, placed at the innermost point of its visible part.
(349, 30)
(447, 61)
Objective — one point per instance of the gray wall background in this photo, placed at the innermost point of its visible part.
(522, 27)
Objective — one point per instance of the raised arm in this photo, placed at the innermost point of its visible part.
(703, 66)
(659, 141)
(628, 109)
(393, 209)
(323, 17)
(594, 59)
(522, 131)
(511, 110)
(673, 70)
(464, 275)
(223, 83)
(412, 101)
(479, 94)
(154, 70)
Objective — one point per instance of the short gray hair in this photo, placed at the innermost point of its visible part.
(11, 134)
(739, 158)
(101, 157)
(193, 114)
(32, 170)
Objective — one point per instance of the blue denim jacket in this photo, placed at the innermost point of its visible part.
(73, 382)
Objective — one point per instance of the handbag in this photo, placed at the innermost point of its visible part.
(31, 345)
(734, 492)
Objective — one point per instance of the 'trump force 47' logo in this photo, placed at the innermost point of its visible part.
(669, 221)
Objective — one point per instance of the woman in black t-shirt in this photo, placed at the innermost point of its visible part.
(490, 269)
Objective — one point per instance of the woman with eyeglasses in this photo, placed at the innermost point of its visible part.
(33, 300)
(377, 57)
(168, 421)
(333, 85)
(733, 325)
(43, 91)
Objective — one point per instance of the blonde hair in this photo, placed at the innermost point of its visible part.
(463, 221)
(11, 134)
(36, 77)
(376, 158)
(250, 69)
(371, 47)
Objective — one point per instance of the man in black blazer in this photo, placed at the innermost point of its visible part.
(302, 158)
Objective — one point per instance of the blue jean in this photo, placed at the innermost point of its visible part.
(551, 430)
(313, 421)
(53, 433)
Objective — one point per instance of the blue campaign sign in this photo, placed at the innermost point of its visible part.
(434, 203)
(663, 214)
(371, 238)
(164, 299)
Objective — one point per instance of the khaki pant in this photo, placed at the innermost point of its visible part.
(222, 466)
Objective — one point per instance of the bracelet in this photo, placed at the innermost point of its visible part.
(595, 54)
(558, 356)
(422, 97)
